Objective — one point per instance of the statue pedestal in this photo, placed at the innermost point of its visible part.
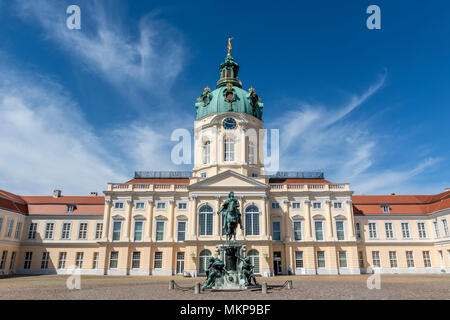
(230, 253)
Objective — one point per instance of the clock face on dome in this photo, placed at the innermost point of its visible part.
(229, 124)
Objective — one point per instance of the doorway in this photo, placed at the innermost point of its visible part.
(180, 262)
(277, 262)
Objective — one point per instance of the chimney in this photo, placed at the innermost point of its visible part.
(392, 194)
(56, 193)
(94, 194)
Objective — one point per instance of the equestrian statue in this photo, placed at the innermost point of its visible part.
(232, 216)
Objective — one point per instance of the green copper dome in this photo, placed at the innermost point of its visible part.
(229, 95)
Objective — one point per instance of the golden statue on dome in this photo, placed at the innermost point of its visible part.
(229, 47)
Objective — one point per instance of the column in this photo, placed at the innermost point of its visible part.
(308, 221)
(240, 233)
(330, 228)
(287, 225)
(107, 221)
(217, 231)
(171, 219)
(193, 218)
(351, 227)
(129, 219)
(149, 226)
(265, 216)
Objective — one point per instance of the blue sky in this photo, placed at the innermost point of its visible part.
(81, 108)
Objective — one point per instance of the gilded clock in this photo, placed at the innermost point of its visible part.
(229, 124)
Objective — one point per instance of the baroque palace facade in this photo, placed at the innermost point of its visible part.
(166, 223)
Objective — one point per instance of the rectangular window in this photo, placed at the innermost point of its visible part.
(296, 205)
(95, 261)
(361, 259)
(340, 233)
(276, 230)
(62, 260)
(203, 175)
(317, 205)
(376, 259)
(99, 230)
(385, 208)
(358, 230)
(445, 227)
(65, 233)
(138, 229)
(393, 259)
(3, 261)
(318, 228)
(298, 259)
(389, 230)
(49, 229)
(114, 260)
(44, 263)
(182, 206)
(70, 208)
(18, 230)
(158, 260)
(27, 261)
(160, 230)
(298, 231)
(117, 229)
(422, 230)
(436, 229)
(342, 259)
(1, 225)
(82, 232)
(9, 228)
(252, 224)
(161, 205)
(118, 205)
(181, 233)
(12, 261)
(337, 205)
(405, 230)
(79, 260)
(373, 230)
(180, 262)
(321, 259)
(275, 205)
(427, 259)
(410, 259)
(136, 261)
(140, 205)
(205, 226)
(32, 231)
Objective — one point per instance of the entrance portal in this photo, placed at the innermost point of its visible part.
(277, 262)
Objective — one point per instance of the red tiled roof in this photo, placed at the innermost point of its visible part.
(10, 201)
(59, 209)
(64, 200)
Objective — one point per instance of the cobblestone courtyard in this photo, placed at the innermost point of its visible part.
(148, 288)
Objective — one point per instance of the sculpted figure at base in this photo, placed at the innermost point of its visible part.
(216, 269)
(247, 271)
(230, 210)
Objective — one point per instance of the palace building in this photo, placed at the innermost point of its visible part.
(166, 223)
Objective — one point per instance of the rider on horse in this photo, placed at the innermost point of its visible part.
(230, 209)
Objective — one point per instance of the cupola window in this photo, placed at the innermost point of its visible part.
(229, 149)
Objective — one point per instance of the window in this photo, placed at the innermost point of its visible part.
(136, 260)
(182, 205)
(275, 205)
(114, 260)
(436, 229)
(205, 221)
(422, 230)
(251, 153)
(252, 221)
(373, 230)
(254, 175)
(361, 259)
(139, 205)
(70, 208)
(9, 228)
(180, 262)
(254, 259)
(207, 152)
(62, 260)
(82, 232)
(138, 229)
(158, 260)
(79, 260)
(410, 259)
(118, 205)
(426, 259)
(340, 232)
(385, 208)
(49, 228)
(342, 259)
(317, 205)
(389, 230)
(18, 230)
(321, 259)
(296, 205)
(358, 230)
(32, 231)
(99, 230)
(276, 230)
(44, 263)
(1, 225)
(203, 174)
(65, 233)
(405, 230)
(203, 261)
(318, 228)
(12, 261)
(337, 205)
(393, 259)
(299, 259)
(160, 230)
(3, 261)
(445, 227)
(27, 261)
(181, 233)
(161, 205)
(229, 149)
(298, 234)
(117, 229)
(95, 261)
(376, 259)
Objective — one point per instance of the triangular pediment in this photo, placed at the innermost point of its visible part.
(229, 180)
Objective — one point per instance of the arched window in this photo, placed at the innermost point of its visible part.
(205, 221)
(206, 152)
(229, 150)
(254, 258)
(251, 153)
(203, 261)
(252, 221)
